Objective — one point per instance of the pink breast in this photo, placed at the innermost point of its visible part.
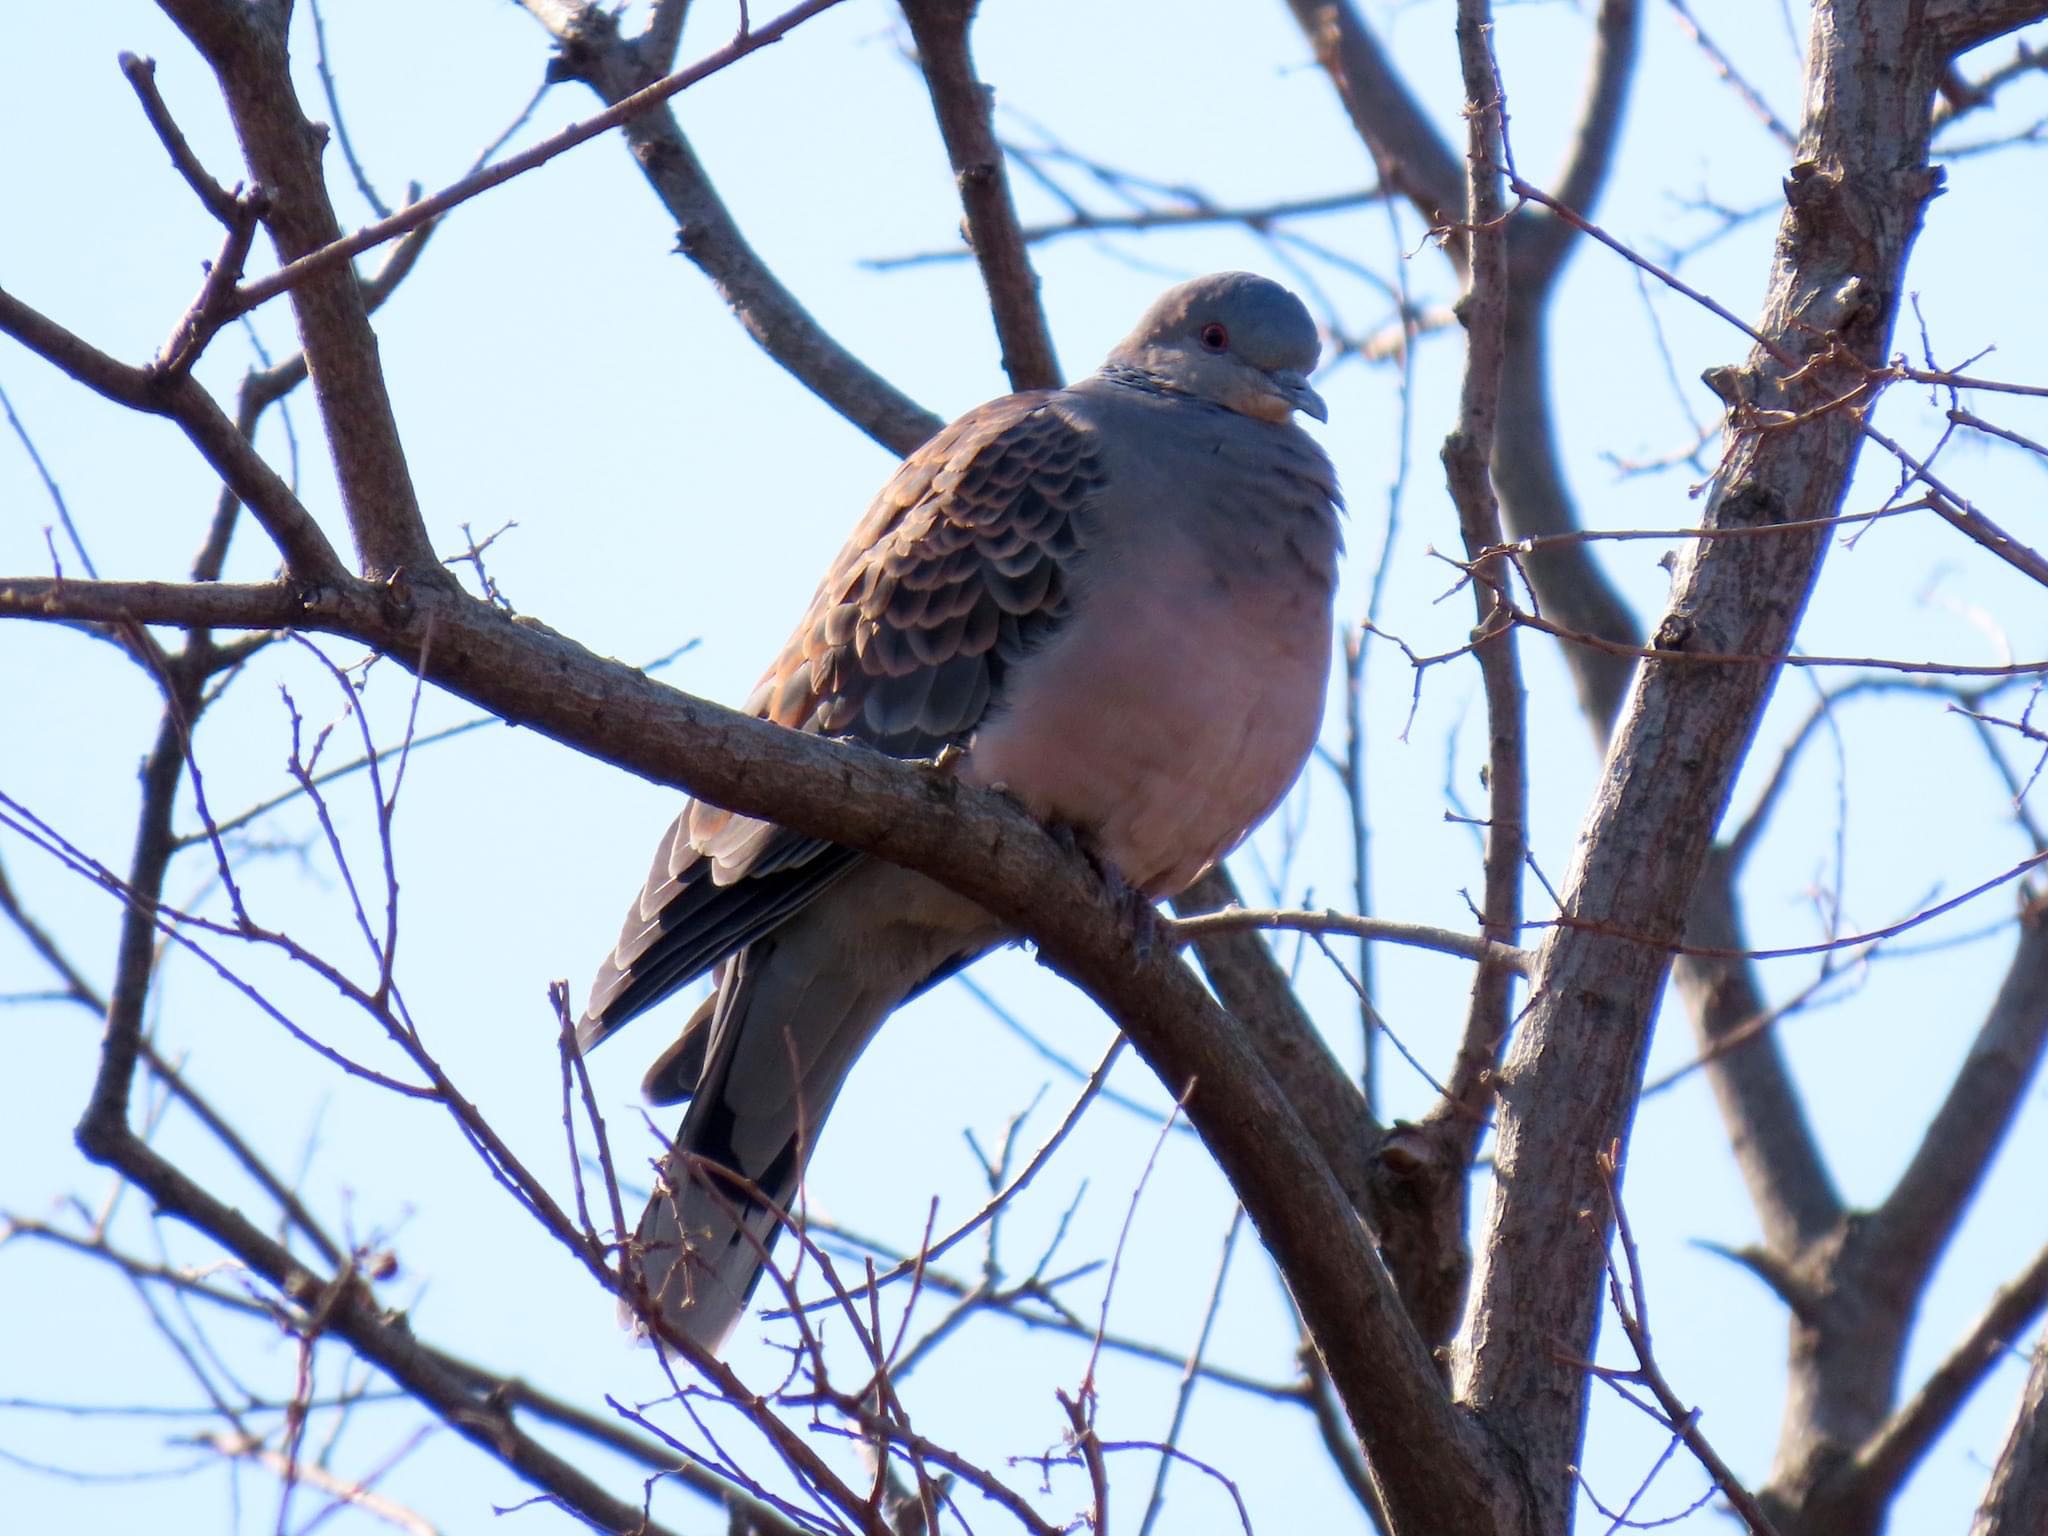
(1167, 720)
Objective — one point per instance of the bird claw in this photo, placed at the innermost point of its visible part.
(1140, 916)
(1136, 912)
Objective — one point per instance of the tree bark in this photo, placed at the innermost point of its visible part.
(1568, 1091)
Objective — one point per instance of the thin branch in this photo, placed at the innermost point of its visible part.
(1719, 62)
(1468, 454)
(962, 105)
(238, 1148)
(214, 197)
(335, 252)
(50, 485)
(1884, 1462)
(1260, 216)
(1192, 1374)
(292, 1469)
(329, 90)
(1443, 941)
(1631, 1311)
(593, 51)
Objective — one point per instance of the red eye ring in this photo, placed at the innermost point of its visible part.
(1214, 337)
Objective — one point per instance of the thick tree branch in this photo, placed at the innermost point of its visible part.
(1571, 1078)
(1960, 25)
(1434, 1462)
(663, 34)
(962, 105)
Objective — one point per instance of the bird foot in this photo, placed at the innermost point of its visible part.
(1137, 914)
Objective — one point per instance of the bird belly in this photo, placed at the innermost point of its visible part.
(1165, 726)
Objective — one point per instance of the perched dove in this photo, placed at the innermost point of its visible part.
(1115, 598)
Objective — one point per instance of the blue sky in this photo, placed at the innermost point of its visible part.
(556, 366)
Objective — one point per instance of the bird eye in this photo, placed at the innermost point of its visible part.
(1214, 337)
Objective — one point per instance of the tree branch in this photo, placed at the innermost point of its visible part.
(246, 48)
(1431, 1457)
(2016, 1503)
(1576, 1064)
(304, 547)
(1468, 456)
(1920, 1215)
(1960, 25)
(1884, 1462)
(1412, 156)
(1765, 1116)
(1538, 241)
(962, 104)
(593, 51)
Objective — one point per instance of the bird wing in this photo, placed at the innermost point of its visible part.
(960, 567)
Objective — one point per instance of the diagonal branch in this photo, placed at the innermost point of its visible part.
(1412, 156)
(1920, 1215)
(1538, 241)
(1888, 1458)
(305, 548)
(961, 103)
(593, 51)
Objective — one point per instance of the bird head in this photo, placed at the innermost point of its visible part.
(1236, 339)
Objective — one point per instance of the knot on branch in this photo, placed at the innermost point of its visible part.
(583, 45)
(1419, 1189)
(1733, 383)
(1749, 504)
(1811, 191)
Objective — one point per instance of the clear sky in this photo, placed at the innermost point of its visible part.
(556, 367)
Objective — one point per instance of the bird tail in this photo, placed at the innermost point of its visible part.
(782, 1040)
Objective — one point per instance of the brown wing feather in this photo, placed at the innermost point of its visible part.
(961, 565)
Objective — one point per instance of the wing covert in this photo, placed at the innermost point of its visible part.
(962, 564)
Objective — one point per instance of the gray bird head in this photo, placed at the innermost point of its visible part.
(1234, 338)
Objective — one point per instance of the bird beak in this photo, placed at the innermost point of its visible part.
(1294, 389)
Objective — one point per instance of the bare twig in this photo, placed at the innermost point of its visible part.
(336, 252)
(1631, 1310)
